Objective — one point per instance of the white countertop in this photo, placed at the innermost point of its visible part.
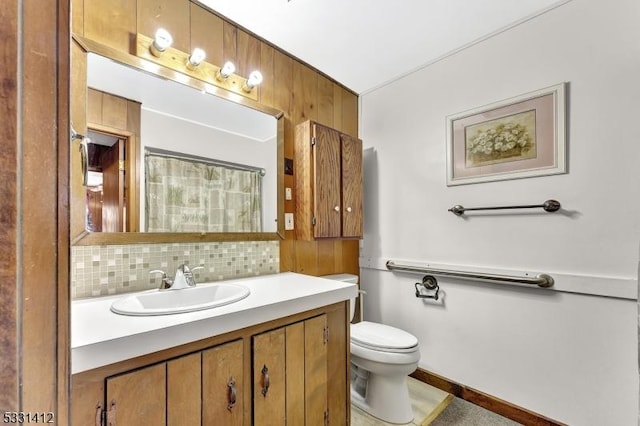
(100, 337)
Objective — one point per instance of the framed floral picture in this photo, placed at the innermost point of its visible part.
(519, 137)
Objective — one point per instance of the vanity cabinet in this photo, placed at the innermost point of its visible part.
(138, 397)
(222, 385)
(195, 389)
(290, 371)
(328, 178)
(290, 374)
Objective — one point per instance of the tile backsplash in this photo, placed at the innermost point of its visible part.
(105, 270)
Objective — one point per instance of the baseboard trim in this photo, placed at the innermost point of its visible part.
(488, 402)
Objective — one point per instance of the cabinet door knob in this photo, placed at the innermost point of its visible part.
(231, 394)
(349, 209)
(337, 208)
(265, 380)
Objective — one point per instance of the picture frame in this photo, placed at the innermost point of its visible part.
(519, 137)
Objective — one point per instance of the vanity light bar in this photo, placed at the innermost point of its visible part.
(196, 58)
(195, 66)
(227, 69)
(254, 79)
(161, 42)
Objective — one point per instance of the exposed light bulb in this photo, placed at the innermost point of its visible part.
(227, 69)
(254, 79)
(196, 58)
(161, 42)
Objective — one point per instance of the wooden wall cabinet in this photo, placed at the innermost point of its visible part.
(328, 178)
(277, 373)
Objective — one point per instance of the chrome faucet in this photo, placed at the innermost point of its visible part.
(182, 279)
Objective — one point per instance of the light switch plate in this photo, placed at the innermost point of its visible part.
(287, 194)
(288, 221)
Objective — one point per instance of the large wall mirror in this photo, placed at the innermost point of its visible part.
(184, 162)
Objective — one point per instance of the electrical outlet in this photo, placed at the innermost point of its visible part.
(288, 221)
(288, 166)
(287, 194)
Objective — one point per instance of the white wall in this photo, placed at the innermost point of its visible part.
(571, 357)
(189, 137)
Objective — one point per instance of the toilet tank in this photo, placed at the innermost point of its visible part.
(346, 278)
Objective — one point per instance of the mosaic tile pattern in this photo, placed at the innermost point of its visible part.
(106, 270)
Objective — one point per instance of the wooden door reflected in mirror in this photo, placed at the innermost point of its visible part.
(113, 126)
(108, 199)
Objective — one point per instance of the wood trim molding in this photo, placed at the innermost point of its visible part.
(488, 402)
(9, 213)
(118, 238)
(63, 252)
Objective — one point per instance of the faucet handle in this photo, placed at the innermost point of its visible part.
(183, 268)
(166, 281)
(192, 279)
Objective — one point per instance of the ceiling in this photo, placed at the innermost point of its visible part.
(364, 44)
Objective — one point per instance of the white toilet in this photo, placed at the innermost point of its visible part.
(381, 358)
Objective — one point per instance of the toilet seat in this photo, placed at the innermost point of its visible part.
(383, 338)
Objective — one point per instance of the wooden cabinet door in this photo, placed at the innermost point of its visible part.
(351, 186)
(184, 399)
(315, 370)
(139, 397)
(269, 379)
(339, 365)
(327, 184)
(295, 357)
(294, 335)
(222, 384)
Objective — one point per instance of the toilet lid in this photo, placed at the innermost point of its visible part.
(383, 337)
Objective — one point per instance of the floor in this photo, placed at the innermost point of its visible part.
(432, 406)
(463, 413)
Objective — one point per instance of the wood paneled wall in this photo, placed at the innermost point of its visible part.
(289, 85)
(34, 221)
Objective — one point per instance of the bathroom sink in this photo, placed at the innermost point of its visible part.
(164, 302)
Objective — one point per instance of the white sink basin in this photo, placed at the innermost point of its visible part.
(164, 302)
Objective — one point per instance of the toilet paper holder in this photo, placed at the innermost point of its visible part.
(429, 283)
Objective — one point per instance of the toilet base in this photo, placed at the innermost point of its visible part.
(387, 398)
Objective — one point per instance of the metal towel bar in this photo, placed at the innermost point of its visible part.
(541, 280)
(548, 206)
